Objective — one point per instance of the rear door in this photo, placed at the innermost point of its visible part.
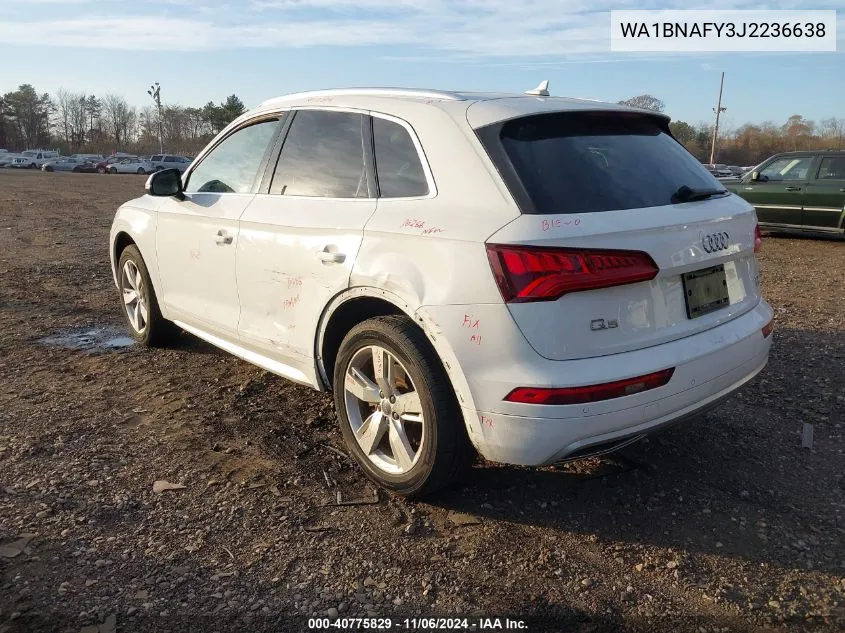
(197, 238)
(298, 242)
(824, 199)
(778, 195)
(607, 255)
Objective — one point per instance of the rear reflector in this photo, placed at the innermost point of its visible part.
(758, 238)
(768, 328)
(538, 273)
(591, 393)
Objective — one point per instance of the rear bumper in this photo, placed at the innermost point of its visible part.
(709, 366)
(541, 441)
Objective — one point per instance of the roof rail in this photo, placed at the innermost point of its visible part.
(368, 92)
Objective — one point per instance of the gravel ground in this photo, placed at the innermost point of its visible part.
(722, 524)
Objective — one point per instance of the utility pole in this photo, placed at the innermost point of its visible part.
(718, 110)
(155, 93)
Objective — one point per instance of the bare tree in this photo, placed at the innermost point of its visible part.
(70, 118)
(833, 131)
(120, 119)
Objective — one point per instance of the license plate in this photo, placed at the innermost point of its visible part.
(705, 290)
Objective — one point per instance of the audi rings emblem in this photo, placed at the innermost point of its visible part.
(715, 242)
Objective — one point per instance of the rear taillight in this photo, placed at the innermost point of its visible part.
(590, 393)
(758, 238)
(536, 273)
(768, 328)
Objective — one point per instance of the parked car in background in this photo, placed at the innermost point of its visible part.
(69, 163)
(34, 158)
(131, 165)
(6, 158)
(93, 158)
(21, 162)
(103, 165)
(803, 191)
(419, 254)
(720, 171)
(170, 161)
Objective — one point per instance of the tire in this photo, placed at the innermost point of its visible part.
(77, 170)
(48, 168)
(101, 170)
(112, 170)
(140, 171)
(33, 166)
(155, 330)
(441, 448)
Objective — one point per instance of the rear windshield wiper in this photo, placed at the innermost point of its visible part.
(688, 194)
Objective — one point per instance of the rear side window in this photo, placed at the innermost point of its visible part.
(589, 162)
(323, 156)
(400, 172)
(156, 157)
(832, 168)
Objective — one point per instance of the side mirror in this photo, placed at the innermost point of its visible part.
(166, 182)
(755, 176)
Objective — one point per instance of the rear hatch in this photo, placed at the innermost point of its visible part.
(625, 241)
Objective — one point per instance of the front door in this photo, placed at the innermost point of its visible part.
(778, 195)
(298, 242)
(197, 237)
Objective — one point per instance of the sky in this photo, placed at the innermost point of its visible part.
(201, 50)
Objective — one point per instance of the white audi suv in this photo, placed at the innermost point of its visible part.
(534, 277)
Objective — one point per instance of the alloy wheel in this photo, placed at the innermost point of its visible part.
(384, 410)
(134, 296)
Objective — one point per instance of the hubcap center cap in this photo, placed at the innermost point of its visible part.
(386, 409)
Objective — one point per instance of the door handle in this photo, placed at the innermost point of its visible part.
(791, 188)
(328, 257)
(222, 238)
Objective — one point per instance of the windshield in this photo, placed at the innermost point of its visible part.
(586, 162)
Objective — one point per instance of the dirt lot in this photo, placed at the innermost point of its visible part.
(724, 524)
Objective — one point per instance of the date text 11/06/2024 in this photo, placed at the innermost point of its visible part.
(419, 624)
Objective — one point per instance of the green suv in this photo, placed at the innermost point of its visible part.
(798, 190)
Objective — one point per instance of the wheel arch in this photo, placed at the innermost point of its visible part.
(135, 226)
(358, 304)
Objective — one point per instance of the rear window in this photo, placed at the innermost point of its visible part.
(590, 162)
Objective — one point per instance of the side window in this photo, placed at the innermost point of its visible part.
(787, 168)
(400, 172)
(832, 168)
(323, 156)
(232, 166)
(155, 158)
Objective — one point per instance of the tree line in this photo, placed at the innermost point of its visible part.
(751, 143)
(75, 123)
